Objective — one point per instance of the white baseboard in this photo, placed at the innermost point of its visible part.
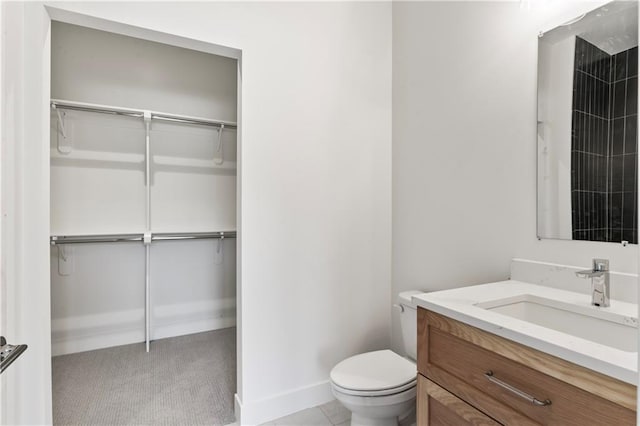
(191, 327)
(98, 341)
(195, 317)
(237, 409)
(249, 413)
(90, 332)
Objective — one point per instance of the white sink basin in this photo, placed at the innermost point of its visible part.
(587, 322)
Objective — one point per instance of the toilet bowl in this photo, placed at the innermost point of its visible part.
(379, 387)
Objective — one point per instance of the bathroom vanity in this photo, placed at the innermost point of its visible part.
(484, 366)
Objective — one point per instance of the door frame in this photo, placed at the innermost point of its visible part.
(24, 200)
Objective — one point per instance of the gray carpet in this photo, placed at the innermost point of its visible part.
(186, 380)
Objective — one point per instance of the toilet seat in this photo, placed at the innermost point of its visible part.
(383, 392)
(377, 373)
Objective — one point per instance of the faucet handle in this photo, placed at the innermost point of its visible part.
(600, 265)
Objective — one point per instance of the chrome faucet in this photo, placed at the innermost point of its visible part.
(599, 282)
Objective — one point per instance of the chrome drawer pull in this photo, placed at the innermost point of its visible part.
(535, 401)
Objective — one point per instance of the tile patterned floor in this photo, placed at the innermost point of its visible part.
(329, 414)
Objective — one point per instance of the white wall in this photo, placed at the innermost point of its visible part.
(111, 69)
(315, 183)
(464, 144)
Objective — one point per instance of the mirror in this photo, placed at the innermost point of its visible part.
(587, 127)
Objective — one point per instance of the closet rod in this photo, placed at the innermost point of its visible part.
(79, 106)
(104, 109)
(76, 239)
(172, 236)
(118, 238)
(199, 121)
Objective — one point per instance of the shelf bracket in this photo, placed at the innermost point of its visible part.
(219, 159)
(218, 260)
(65, 260)
(64, 143)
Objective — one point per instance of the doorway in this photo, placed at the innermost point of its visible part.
(170, 318)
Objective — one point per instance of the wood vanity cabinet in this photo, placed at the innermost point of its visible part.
(465, 373)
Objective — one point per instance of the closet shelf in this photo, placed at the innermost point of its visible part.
(115, 157)
(122, 157)
(119, 238)
(193, 162)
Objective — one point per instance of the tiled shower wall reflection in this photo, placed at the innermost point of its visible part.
(604, 144)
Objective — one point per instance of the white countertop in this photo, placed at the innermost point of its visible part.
(459, 304)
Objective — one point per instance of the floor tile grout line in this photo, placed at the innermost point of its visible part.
(325, 416)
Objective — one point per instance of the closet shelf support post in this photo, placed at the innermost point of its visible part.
(147, 290)
(147, 235)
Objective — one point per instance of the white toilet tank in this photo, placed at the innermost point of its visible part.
(409, 322)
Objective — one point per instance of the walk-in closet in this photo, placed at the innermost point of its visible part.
(143, 230)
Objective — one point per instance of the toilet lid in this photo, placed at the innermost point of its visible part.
(373, 371)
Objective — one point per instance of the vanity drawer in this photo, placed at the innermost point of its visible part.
(482, 377)
(437, 407)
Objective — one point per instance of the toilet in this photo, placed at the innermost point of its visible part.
(379, 387)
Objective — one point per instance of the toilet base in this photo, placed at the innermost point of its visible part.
(379, 410)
